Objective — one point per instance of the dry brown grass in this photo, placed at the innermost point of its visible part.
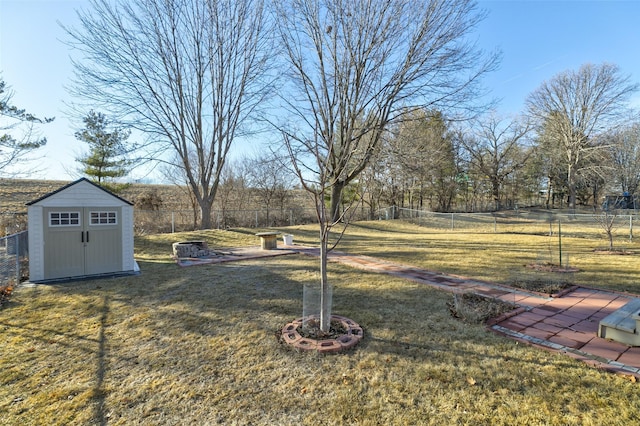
(497, 257)
(197, 345)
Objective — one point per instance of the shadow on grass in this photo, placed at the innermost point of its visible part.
(99, 392)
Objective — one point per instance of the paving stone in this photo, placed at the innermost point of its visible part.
(587, 326)
(546, 309)
(536, 332)
(576, 335)
(528, 318)
(511, 325)
(579, 312)
(562, 320)
(564, 341)
(530, 301)
(551, 328)
(631, 357)
(605, 348)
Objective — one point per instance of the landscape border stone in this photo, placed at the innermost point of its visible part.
(352, 336)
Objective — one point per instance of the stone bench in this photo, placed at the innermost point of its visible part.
(268, 240)
(622, 325)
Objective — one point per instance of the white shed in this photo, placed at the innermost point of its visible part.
(80, 230)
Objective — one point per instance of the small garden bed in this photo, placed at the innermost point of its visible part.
(551, 267)
(311, 330)
(476, 309)
(545, 284)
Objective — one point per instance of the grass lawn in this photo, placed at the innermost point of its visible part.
(497, 257)
(197, 345)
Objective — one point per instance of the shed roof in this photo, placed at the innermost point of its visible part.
(50, 194)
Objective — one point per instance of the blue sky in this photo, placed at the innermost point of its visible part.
(538, 39)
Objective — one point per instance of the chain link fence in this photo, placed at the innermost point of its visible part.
(164, 221)
(621, 225)
(533, 222)
(14, 266)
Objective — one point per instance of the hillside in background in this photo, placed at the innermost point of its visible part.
(164, 208)
(15, 193)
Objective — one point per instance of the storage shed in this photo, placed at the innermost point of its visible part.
(80, 230)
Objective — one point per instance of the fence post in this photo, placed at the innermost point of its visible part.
(452, 223)
(173, 223)
(18, 248)
(630, 227)
(560, 241)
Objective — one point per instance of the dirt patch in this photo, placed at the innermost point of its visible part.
(5, 293)
(476, 309)
(311, 330)
(551, 267)
(614, 252)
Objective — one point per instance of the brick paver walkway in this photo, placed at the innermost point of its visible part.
(566, 324)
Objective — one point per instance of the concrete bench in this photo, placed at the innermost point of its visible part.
(268, 240)
(623, 325)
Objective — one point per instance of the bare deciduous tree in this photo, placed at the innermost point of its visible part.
(270, 180)
(422, 145)
(14, 148)
(186, 73)
(575, 107)
(607, 220)
(497, 150)
(233, 193)
(624, 149)
(354, 68)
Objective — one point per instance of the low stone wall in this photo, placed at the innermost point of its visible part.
(190, 249)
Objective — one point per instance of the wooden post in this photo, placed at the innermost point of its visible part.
(560, 241)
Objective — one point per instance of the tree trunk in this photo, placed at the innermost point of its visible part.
(571, 181)
(495, 187)
(205, 210)
(336, 200)
(325, 291)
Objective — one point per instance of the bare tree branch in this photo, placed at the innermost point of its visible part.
(188, 73)
(574, 107)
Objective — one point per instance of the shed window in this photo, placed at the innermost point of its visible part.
(104, 218)
(64, 218)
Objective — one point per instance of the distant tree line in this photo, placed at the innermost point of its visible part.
(362, 103)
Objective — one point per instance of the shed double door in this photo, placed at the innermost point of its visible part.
(82, 241)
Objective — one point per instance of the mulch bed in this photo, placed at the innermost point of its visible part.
(5, 293)
(311, 330)
(551, 267)
(542, 285)
(476, 309)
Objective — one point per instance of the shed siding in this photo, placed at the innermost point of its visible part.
(128, 262)
(36, 243)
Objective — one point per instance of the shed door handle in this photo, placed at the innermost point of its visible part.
(87, 236)
(82, 236)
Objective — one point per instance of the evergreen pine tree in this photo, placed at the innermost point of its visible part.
(106, 160)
